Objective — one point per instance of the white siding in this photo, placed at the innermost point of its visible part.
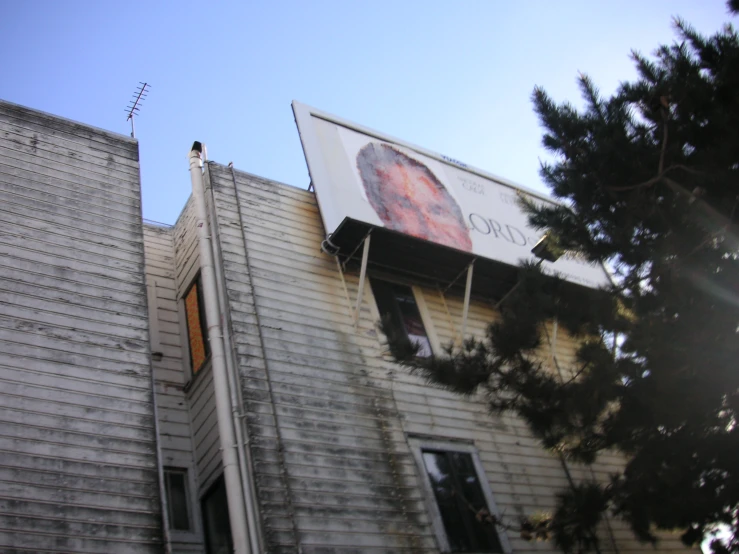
(77, 443)
(200, 396)
(169, 374)
(343, 475)
(329, 415)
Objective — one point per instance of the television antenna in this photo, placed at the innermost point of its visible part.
(134, 105)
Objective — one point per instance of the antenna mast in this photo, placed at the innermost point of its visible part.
(133, 108)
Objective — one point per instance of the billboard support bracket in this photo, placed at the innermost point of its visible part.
(351, 255)
(346, 289)
(464, 270)
(362, 277)
(467, 291)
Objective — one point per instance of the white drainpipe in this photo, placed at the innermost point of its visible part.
(237, 404)
(231, 473)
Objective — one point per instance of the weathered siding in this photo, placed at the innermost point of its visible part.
(77, 443)
(200, 394)
(331, 459)
(329, 415)
(169, 373)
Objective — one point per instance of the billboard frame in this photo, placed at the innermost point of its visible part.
(319, 172)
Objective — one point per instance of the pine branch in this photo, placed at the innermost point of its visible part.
(665, 329)
(664, 111)
(656, 179)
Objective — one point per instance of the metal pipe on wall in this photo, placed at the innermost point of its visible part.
(237, 403)
(231, 471)
(154, 340)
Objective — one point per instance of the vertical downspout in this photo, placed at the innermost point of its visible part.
(237, 404)
(163, 501)
(231, 473)
(160, 471)
(153, 315)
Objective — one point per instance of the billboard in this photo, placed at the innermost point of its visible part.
(362, 175)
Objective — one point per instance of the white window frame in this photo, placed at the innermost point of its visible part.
(195, 534)
(418, 445)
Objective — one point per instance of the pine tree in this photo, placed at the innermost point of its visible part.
(649, 184)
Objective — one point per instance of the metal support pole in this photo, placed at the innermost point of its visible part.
(450, 285)
(467, 291)
(362, 275)
(349, 257)
(346, 289)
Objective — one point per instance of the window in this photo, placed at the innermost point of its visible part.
(398, 304)
(196, 326)
(178, 512)
(215, 518)
(457, 491)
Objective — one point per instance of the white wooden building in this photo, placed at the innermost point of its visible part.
(329, 446)
(78, 448)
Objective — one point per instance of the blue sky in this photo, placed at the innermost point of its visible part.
(453, 77)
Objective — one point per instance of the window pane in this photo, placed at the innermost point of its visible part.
(467, 477)
(485, 535)
(411, 318)
(179, 519)
(397, 304)
(441, 479)
(446, 495)
(384, 297)
(459, 498)
(198, 352)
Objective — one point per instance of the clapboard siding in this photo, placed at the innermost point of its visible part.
(187, 253)
(175, 432)
(76, 408)
(275, 509)
(200, 394)
(355, 456)
(76, 137)
(329, 415)
(205, 428)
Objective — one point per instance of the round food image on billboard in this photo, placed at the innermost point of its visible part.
(409, 198)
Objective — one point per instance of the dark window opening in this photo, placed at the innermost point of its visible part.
(175, 484)
(460, 499)
(215, 520)
(397, 305)
(196, 326)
